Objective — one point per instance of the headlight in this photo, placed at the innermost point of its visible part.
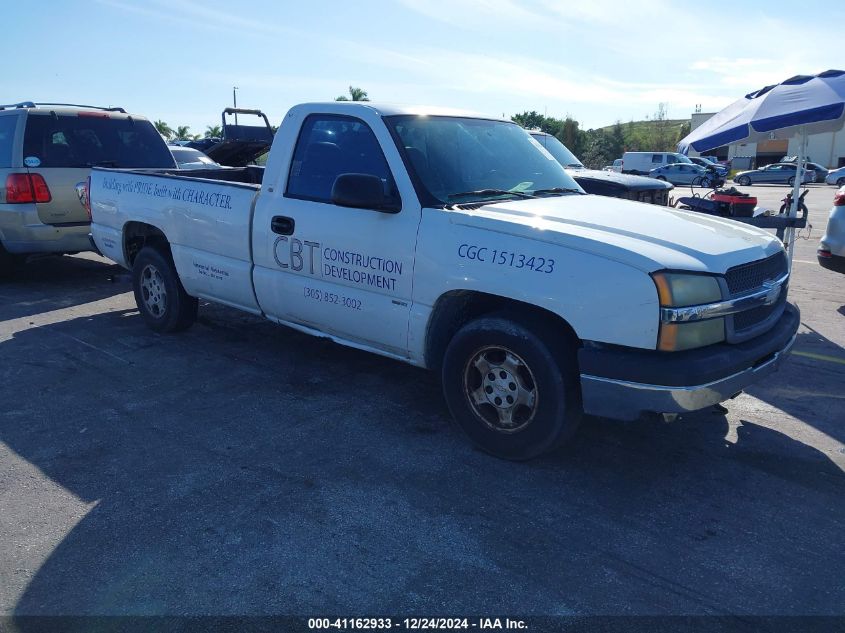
(678, 290)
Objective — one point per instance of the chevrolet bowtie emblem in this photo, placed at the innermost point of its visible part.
(772, 292)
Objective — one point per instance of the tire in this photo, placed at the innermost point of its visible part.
(791, 181)
(495, 356)
(840, 182)
(8, 262)
(745, 181)
(705, 182)
(160, 296)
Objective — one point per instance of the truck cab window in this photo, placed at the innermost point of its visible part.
(331, 145)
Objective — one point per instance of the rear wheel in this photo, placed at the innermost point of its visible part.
(745, 181)
(791, 181)
(8, 262)
(840, 182)
(161, 299)
(512, 387)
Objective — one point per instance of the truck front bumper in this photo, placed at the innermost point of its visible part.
(624, 383)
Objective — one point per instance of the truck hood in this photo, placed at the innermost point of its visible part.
(634, 183)
(645, 236)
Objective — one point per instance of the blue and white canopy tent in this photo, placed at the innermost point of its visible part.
(800, 106)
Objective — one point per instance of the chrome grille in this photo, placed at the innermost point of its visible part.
(751, 276)
(755, 316)
(748, 278)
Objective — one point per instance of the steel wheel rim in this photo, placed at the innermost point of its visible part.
(501, 389)
(153, 291)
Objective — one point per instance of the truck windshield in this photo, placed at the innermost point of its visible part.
(559, 151)
(463, 160)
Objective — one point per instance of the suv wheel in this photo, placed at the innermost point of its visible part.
(8, 262)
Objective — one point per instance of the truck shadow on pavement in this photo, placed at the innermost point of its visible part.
(55, 282)
(240, 467)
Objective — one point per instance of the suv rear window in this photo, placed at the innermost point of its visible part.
(88, 141)
(8, 124)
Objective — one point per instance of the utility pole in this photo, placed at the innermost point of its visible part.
(235, 101)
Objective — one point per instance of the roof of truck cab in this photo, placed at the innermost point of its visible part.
(392, 109)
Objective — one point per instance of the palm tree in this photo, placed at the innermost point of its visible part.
(357, 94)
(213, 131)
(182, 132)
(163, 129)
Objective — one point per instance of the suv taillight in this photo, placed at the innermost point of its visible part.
(839, 198)
(23, 188)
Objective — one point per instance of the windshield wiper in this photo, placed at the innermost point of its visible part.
(490, 192)
(557, 191)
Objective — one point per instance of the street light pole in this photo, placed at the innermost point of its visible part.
(235, 101)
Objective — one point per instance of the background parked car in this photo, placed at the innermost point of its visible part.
(46, 149)
(641, 163)
(616, 166)
(687, 174)
(821, 171)
(605, 183)
(190, 158)
(831, 251)
(781, 173)
(708, 164)
(836, 177)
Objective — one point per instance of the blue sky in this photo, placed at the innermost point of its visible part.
(177, 60)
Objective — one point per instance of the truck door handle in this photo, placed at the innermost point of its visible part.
(282, 225)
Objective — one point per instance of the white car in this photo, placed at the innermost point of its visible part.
(458, 243)
(836, 177)
(831, 252)
(190, 158)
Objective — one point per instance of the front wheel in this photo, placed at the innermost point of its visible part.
(745, 181)
(512, 387)
(161, 299)
(791, 181)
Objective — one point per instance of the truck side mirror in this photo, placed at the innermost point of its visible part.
(363, 191)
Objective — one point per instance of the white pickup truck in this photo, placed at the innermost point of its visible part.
(457, 243)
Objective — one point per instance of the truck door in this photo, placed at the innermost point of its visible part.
(341, 270)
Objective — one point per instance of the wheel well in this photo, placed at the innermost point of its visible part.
(137, 235)
(455, 309)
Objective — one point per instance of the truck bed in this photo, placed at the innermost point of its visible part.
(249, 175)
(204, 214)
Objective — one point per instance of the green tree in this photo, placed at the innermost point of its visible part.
(355, 94)
(213, 131)
(684, 131)
(182, 133)
(571, 135)
(617, 140)
(163, 129)
(530, 120)
(598, 149)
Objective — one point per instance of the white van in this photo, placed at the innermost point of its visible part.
(643, 162)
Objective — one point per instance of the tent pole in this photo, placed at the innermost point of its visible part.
(796, 190)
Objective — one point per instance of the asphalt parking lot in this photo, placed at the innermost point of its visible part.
(241, 467)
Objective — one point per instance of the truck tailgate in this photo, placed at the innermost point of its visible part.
(206, 222)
